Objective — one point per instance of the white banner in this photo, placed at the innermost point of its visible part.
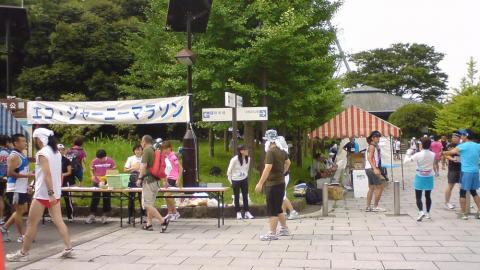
(146, 111)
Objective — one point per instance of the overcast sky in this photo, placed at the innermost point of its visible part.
(451, 26)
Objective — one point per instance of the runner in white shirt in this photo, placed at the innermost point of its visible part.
(48, 187)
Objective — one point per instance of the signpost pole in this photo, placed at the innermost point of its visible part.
(234, 127)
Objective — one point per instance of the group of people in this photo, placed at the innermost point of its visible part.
(54, 168)
(462, 156)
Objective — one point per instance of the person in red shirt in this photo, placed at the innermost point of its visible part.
(437, 148)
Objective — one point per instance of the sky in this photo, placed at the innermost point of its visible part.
(451, 26)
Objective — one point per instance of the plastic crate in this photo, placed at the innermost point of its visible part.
(118, 180)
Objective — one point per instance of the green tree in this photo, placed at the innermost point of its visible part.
(77, 46)
(413, 118)
(463, 111)
(403, 69)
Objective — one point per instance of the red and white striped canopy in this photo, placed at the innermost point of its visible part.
(355, 122)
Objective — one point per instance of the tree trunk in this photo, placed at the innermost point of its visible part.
(306, 144)
(298, 148)
(249, 135)
(225, 140)
(261, 162)
(211, 143)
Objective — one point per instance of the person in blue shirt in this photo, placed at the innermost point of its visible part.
(351, 146)
(469, 152)
(4, 153)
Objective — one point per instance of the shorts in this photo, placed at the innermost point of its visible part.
(17, 198)
(78, 174)
(149, 193)
(469, 181)
(3, 186)
(172, 182)
(454, 177)
(275, 196)
(373, 179)
(46, 203)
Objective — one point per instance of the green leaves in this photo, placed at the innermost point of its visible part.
(413, 118)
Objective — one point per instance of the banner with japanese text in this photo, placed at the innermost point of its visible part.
(146, 111)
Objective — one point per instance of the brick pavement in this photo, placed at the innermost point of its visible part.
(348, 239)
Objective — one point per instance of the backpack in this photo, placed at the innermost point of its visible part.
(215, 171)
(159, 165)
(313, 195)
(74, 156)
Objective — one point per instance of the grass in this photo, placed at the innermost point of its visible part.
(120, 150)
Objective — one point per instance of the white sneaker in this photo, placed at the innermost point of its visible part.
(20, 239)
(248, 215)
(450, 206)
(464, 217)
(421, 215)
(17, 257)
(104, 219)
(67, 253)
(283, 232)
(90, 219)
(239, 215)
(70, 220)
(268, 237)
(378, 209)
(293, 215)
(175, 216)
(427, 215)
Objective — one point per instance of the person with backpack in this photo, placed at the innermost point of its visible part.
(373, 166)
(132, 166)
(78, 159)
(151, 171)
(100, 165)
(237, 174)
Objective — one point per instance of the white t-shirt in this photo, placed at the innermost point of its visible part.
(413, 144)
(397, 145)
(132, 162)
(424, 160)
(55, 164)
(237, 171)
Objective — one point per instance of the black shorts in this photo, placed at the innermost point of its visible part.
(275, 196)
(172, 182)
(3, 186)
(17, 198)
(454, 177)
(373, 179)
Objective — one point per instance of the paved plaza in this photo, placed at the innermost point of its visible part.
(348, 239)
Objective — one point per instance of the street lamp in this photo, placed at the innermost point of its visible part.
(185, 57)
(190, 16)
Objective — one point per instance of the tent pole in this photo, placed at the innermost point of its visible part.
(401, 165)
(391, 157)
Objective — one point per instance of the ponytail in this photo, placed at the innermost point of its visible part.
(52, 142)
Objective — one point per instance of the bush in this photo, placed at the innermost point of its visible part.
(413, 119)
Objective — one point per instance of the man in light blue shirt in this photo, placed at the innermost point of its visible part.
(469, 152)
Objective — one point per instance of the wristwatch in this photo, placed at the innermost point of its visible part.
(50, 193)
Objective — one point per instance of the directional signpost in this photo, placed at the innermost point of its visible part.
(234, 112)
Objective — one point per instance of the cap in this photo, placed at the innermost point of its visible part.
(270, 135)
(158, 143)
(376, 133)
(60, 146)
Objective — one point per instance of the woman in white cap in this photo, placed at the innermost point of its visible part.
(48, 187)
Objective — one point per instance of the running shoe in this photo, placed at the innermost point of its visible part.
(283, 232)
(378, 209)
(449, 206)
(169, 216)
(464, 217)
(248, 215)
(427, 215)
(104, 219)
(20, 239)
(70, 220)
(90, 219)
(18, 256)
(67, 253)
(2, 222)
(420, 216)
(268, 237)
(368, 209)
(176, 216)
(239, 215)
(293, 215)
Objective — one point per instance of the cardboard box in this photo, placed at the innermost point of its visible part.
(357, 161)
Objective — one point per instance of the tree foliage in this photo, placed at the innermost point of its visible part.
(77, 47)
(413, 118)
(463, 111)
(403, 69)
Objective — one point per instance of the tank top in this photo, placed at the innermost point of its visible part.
(55, 164)
(19, 185)
(4, 153)
(376, 157)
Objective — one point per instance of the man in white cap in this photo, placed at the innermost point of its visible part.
(273, 178)
(48, 187)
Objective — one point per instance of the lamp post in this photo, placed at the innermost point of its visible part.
(190, 16)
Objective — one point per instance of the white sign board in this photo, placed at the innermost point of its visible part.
(146, 111)
(243, 114)
(217, 114)
(252, 114)
(360, 183)
(230, 100)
